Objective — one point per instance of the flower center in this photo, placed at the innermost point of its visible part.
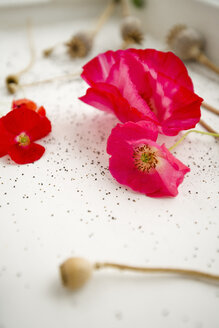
(145, 158)
(23, 139)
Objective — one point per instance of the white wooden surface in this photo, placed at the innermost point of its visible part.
(67, 204)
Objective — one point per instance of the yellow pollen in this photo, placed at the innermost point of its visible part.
(145, 158)
(23, 139)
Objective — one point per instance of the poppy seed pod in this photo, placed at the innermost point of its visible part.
(80, 44)
(75, 272)
(131, 30)
(12, 82)
(186, 42)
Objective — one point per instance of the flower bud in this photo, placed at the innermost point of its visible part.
(186, 42)
(75, 272)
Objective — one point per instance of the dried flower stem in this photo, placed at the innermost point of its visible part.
(81, 43)
(210, 108)
(185, 272)
(61, 77)
(104, 17)
(75, 272)
(125, 8)
(32, 50)
(207, 127)
(203, 59)
(190, 131)
(126, 44)
(47, 52)
(12, 80)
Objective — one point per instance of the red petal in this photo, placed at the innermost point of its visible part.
(41, 129)
(6, 140)
(24, 103)
(20, 120)
(25, 155)
(41, 111)
(24, 120)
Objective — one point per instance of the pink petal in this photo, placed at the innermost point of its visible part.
(143, 85)
(176, 107)
(128, 75)
(130, 132)
(97, 69)
(108, 98)
(164, 62)
(163, 180)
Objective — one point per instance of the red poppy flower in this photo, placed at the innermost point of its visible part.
(23, 125)
(139, 162)
(143, 85)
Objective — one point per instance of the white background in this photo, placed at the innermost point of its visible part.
(67, 203)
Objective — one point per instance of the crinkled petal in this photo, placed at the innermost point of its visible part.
(155, 84)
(108, 98)
(164, 62)
(25, 155)
(97, 69)
(129, 77)
(176, 107)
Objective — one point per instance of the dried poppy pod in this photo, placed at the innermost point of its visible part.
(188, 43)
(131, 30)
(12, 83)
(80, 44)
(75, 272)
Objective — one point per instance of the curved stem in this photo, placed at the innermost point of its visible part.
(190, 131)
(104, 17)
(210, 108)
(32, 50)
(47, 52)
(61, 77)
(185, 272)
(203, 59)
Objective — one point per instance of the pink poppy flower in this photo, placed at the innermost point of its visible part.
(140, 85)
(139, 162)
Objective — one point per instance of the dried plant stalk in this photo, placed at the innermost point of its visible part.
(81, 43)
(76, 272)
(210, 108)
(12, 80)
(206, 126)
